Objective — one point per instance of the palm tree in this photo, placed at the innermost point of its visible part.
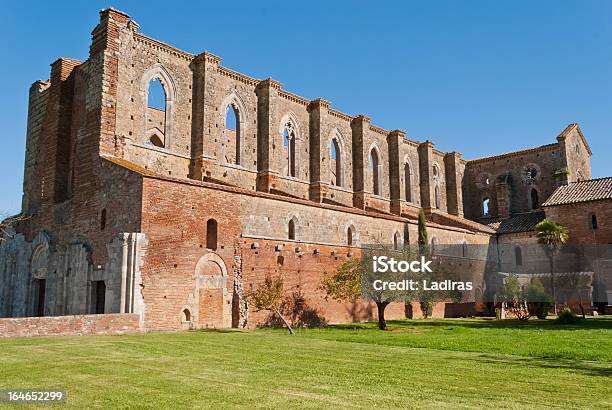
(553, 235)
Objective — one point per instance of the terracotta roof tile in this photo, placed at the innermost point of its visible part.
(523, 222)
(582, 191)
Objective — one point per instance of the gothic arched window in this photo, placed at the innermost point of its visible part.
(407, 183)
(335, 163)
(375, 163)
(232, 129)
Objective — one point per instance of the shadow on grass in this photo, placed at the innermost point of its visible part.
(534, 324)
(580, 366)
(479, 323)
(231, 330)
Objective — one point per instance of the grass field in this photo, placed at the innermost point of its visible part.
(426, 363)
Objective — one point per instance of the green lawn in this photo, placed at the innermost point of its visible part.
(434, 363)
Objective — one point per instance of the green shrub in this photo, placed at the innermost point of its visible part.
(538, 309)
(567, 317)
(538, 301)
(426, 308)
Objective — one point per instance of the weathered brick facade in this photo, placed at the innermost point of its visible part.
(173, 215)
(69, 325)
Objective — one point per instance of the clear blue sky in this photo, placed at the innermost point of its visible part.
(479, 77)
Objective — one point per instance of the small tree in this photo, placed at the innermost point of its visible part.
(423, 239)
(269, 296)
(538, 301)
(553, 236)
(513, 296)
(525, 302)
(578, 283)
(425, 298)
(426, 303)
(345, 284)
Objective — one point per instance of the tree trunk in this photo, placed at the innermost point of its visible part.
(382, 323)
(552, 284)
(581, 307)
(284, 321)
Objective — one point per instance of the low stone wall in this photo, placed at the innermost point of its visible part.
(76, 325)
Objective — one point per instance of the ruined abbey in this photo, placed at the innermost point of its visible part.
(172, 209)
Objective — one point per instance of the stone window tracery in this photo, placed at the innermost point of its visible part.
(531, 172)
(289, 136)
(234, 119)
(158, 90)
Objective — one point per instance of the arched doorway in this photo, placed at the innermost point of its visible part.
(213, 303)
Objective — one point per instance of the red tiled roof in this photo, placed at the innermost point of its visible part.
(581, 191)
(523, 222)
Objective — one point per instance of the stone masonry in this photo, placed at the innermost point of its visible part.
(174, 215)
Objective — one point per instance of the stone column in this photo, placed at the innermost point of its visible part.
(318, 110)
(394, 141)
(502, 192)
(425, 151)
(359, 125)
(267, 92)
(202, 145)
(452, 171)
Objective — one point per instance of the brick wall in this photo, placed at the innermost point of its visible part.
(69, 325)
(253, 240)
(482, 177)
(578, 220)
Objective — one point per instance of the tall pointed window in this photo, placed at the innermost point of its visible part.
(407, 183)
(156, 113)
(518, 256)
(436, 181)
(211, 234)
(335, 163)
(291, 229)
(232, 132)
(350, 236)
(289, 144)
(375, 164)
